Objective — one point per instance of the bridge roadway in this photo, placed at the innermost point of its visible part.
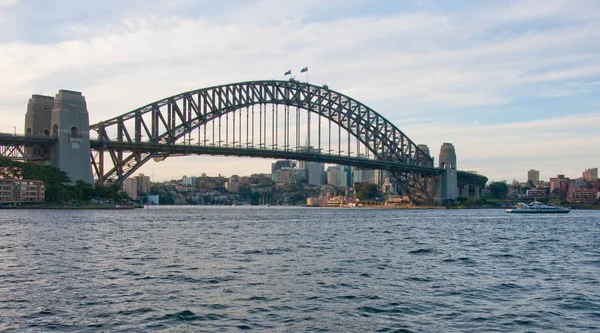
(183, 149)
(7, 139)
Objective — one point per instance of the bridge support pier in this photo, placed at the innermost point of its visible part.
(446, 186)
(447, 182)
(465, 191)
(70, 124)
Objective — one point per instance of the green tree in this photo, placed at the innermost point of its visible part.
(499, 189)
(366, 191)
(82, 190)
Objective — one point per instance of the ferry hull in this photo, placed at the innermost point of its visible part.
(532, 211)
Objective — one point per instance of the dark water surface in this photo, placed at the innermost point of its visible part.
(227, 269)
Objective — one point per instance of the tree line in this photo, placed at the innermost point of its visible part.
(59, 187)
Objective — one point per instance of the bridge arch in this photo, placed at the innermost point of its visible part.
(168, 122)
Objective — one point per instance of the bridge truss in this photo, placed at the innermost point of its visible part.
(25, 148)
(273, 119)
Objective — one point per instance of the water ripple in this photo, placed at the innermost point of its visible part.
(222, 269)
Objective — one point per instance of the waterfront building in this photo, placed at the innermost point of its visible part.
(537, 193)
(533, 176)
(14, 190)
(152, 199)
(130, 187)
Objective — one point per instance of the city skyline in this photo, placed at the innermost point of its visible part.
(201, 173)
(514, 87)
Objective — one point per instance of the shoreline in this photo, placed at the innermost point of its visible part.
(84, 207)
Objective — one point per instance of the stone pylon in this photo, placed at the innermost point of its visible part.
(447, 181)
(39, 113)
(70, 124)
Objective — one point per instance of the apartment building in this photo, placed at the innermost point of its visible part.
(21, 190)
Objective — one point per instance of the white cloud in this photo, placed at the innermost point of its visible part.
(7, 3)
(567, 143)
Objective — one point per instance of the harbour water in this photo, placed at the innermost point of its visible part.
(271, 269)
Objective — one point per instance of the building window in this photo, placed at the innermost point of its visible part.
(74, 132)
(55, 130)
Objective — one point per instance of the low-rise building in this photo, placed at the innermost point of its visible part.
(14, 190)
(537, 193)
(582, 195)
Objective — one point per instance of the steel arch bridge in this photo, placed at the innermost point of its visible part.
(262, 119)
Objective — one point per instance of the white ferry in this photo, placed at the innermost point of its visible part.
(537, 207)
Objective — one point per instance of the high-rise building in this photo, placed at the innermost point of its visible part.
(336, 176)
(143, 183)
(379, 177)
(232, 185)
(283, 176)
(363, 175)
(533, 176)
(189, 181)
(316, 173)
(590, 175)
(349, 177)
(278, 165)
(130, 187)
(560, 182)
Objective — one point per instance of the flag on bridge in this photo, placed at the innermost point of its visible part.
(288, 73)
(305, 69)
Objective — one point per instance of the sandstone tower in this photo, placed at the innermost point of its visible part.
(447, 156)
(39, 112)
(70, 124)
(447, 188)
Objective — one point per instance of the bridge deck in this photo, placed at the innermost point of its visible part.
(7, 139)
(182, 149)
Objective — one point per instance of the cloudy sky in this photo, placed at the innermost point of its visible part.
(513, 84)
